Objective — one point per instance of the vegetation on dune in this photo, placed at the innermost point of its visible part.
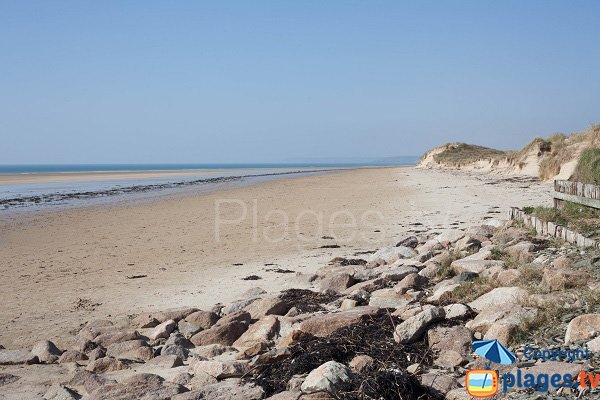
(588, 167)
(584, 220)
(463, 153)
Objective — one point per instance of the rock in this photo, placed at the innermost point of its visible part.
(477, 266)
(89, 380)
(261, 331)
(238, 306)
(388, 298)
(98, 352)
(253, 292)
(444, 287)
(6, 379)
(388, 255)
(212, 350)
(144, 321)
(179, 340)
(219, 369)
(226, 331)
(182, 378)
(413, 280)
(498, 296)
(368, 285)
(322, 325)
(83, 345)
(468, 243)
(456, 338)
(408, 241)
(521, 252)
(348, 304)
(267, 306)
(458, 311)
(562, 262)
(501, 331)
(565, 278)
(360, 363)
(141, 386)
(202, 319)
(326, 378)
(166, 361)
(509, 277)
(116, 349)
(59, 392)
(116, 336)
(449, 359)
(230, 389)
(413, 328)
(163, 330)
(431, 270)
(286, 395)
(70, 356)
(582, 327)
(46, 351)
(107, 364)
(450, 235)
(594, 345)
(14, 357)
(174, 350)
(505, 313)
(411, 310)
(175, 314)
(336, 283)
(439, 382)
(188, 329)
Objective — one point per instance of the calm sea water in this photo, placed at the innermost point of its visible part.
(54, 168)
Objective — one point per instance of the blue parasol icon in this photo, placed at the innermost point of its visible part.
(494, 351)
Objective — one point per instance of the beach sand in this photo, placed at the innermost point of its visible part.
(65, 267)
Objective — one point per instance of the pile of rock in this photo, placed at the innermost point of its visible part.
(426, 296)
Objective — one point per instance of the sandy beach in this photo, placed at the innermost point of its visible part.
(61, 268)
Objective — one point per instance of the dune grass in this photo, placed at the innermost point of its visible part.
(588, 167)
(463, 153)
(576, 217)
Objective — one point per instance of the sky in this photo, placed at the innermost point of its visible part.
(268, 81)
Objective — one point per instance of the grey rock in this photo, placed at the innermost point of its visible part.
(326, 378)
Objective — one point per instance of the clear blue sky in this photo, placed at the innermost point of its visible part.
(257, 81)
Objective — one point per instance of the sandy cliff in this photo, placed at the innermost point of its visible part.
(551, 158)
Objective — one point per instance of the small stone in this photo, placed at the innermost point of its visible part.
(163, 330)
(326, 378)
(106, 364)
(166, 361)
(46, 351)
(360, 363)
(348, 304)
(413, 328)
(70, 356)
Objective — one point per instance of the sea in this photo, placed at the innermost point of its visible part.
(93, 189)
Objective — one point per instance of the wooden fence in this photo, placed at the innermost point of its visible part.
(552, 229)
(576, 192)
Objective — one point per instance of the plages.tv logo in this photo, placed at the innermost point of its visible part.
(483, 383)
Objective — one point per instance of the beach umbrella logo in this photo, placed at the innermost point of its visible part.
(484, 382)
(493, 351)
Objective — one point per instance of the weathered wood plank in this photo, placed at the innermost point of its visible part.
(594, 203)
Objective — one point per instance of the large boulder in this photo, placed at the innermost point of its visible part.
(322, 325)
(477, 266)
(498, 296)
(564, 278)
(336, 282)
(116, 336)
(163, 330)
(230, 389)
(506, 314)
(326, 378)
(521, 252)
(46, 351)
(226, 331)
(388, 298)
(413, 328)
(267, 306)
(141, 386)
(582, 327)
(457, 338)
(14, 357)
(258, 333)
(219, 369)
